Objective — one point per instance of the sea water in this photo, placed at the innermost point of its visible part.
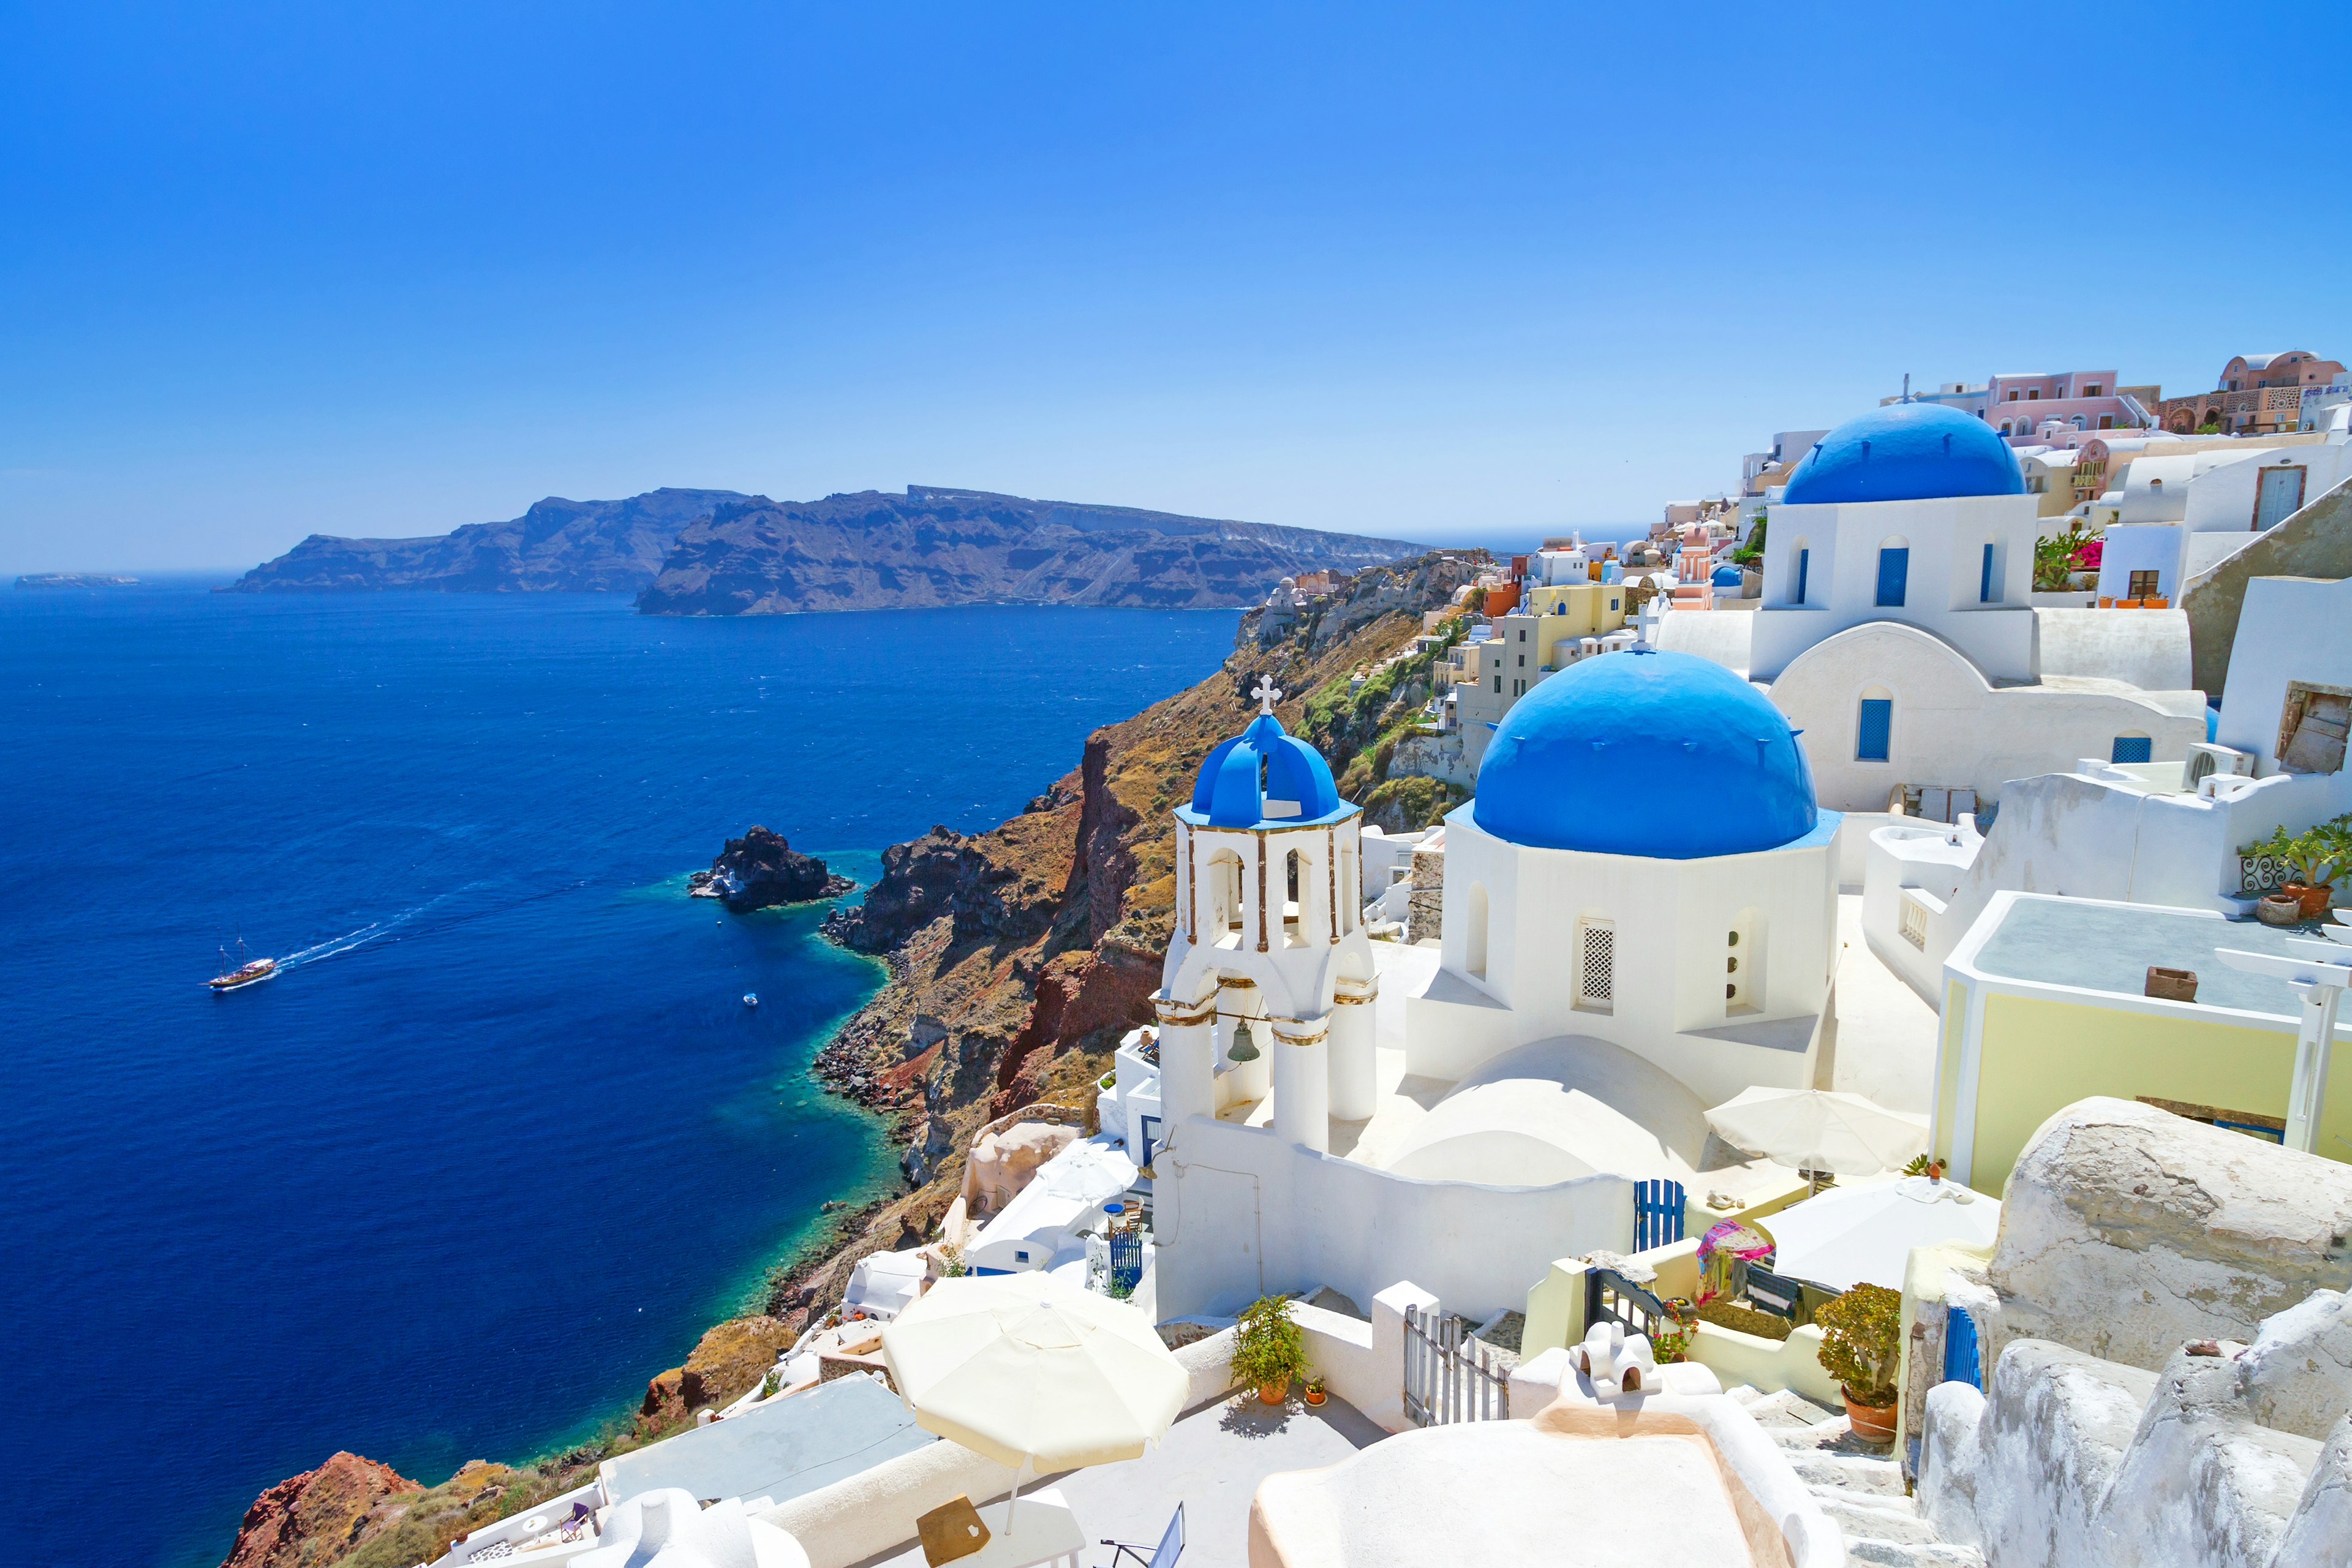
(502, 1138)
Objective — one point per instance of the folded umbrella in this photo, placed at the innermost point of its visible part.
(1819, 1130)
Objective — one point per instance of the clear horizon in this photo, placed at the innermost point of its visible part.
(1456, 279)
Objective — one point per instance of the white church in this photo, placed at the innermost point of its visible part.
(1897, 629)
(1640, 922)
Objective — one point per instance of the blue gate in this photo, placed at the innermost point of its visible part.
(1960, 1347)
(1657, 1214)
(1126, 1261)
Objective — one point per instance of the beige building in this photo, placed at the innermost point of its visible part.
(1553, 627)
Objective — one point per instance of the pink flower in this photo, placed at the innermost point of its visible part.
(2087, 557)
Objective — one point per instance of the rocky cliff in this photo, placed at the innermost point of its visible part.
(1031, 948)
(762, 869)
(564, 546)
(932, 547)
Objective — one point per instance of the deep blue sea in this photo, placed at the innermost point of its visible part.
(501, 1140)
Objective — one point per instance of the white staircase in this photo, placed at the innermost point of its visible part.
(1858, 1484)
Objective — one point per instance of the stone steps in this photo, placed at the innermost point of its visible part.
(1857, 1484)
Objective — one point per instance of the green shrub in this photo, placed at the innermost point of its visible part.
(1862, 1335)
(1269, 1347)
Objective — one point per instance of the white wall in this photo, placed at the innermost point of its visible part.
(1670, 919)
(1946, 539)
(1950, 727)
(2291, 629)
(1238, 1212)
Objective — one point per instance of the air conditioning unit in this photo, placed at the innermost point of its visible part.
(2205, 760)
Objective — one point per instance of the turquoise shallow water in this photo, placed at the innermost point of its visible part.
(459, 1181)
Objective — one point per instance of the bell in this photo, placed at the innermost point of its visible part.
(1244, 1049)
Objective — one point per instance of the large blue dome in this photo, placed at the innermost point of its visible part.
(1661, 754)
(1905, 451)
(1263, 766)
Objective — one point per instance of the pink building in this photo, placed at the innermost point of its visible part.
(2080, 404)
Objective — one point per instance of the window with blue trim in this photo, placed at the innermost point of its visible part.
(1877, 728)
(2131, 749)
(1804, 569)
(1985, 583)
(1894, 576)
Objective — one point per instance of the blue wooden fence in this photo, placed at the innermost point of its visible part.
(1657, 1214)
(1960, 1360)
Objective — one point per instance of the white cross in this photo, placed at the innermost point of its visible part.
(1265, 692)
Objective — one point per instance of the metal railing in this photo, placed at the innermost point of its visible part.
(1609, 1294)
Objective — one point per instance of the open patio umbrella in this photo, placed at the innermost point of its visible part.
(1817, 1130)
(1090, 1172)
(1034, 1373)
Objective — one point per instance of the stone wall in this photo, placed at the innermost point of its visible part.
(1427, 918)
(2126, 1231)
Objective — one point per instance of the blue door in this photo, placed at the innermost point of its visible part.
(1877, 727)
(1961, 1349)
(1894, 576)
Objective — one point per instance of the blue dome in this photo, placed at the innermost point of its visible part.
(1726, 576)
(1261, 765)
(1667, 755)
(1905, 451)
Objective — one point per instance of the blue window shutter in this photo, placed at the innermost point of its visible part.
(1804, 565)
(1984, 581)
(1878, 725)
(2131, 749)
(1894, 575)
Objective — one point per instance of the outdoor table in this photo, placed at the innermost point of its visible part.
(1044, 1530)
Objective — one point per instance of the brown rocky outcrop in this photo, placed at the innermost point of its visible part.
(725, 1362)
(316, 1517)
(760, 871)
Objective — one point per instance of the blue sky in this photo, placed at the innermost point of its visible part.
(1448, 272)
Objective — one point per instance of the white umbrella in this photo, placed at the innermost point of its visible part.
(1090, 1172)
(1816, 1130)
(1034, 1373)
(1850, 1235)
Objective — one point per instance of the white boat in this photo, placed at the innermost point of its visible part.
(252, 973)
(750, 998)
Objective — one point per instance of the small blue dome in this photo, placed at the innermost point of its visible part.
(1726, 576)
(1667, 755)
(1260, 764)
(1905, 451)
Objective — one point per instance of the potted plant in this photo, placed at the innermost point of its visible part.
(1315, 1391)
(2311, 859)
(1861, 1347)
(1269, 1348)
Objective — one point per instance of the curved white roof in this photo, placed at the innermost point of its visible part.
(1554, 1110)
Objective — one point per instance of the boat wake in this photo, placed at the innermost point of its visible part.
(429, 917)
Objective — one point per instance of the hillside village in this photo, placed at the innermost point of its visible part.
(1801, 1038)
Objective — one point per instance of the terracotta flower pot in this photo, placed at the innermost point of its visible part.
(1870, 1423)
(1274, 1392)
(2314, 900)
(1316, 1396)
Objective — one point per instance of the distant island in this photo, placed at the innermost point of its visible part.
(721, 552)
(74, 580)
(558, 546)
(875, 550)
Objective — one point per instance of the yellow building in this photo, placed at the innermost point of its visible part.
(2044, 1004)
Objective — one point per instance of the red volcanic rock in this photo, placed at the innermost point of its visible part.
(317, 1516)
